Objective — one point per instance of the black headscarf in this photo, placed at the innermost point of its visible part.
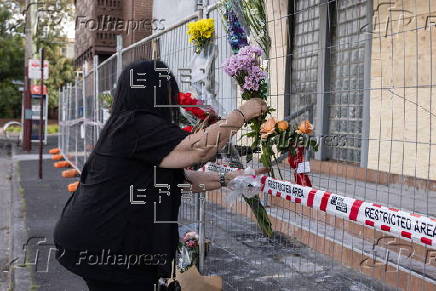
(153, 86)
(154, 90)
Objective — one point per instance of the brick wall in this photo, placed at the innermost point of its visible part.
(138, 11)
(103, 41)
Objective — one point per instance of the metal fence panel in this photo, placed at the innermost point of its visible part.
(329, 63)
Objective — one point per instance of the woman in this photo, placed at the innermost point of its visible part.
(118, 230)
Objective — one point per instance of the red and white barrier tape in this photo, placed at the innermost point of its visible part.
(397, 222)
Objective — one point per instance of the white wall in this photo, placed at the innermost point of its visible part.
(172, 11)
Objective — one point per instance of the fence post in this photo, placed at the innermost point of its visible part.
(68, 117)
(59, 119)
(199, 201)
(119, 55)
(85, 74)
(323, 95)
(76, 116)
(366, 87)
(97, 99)
(201, 232)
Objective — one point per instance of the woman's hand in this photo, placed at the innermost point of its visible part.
(253, 108)
(202, 146)
(209, 181)
(232, 175)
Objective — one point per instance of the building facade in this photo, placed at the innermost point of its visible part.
(99, 22)
(359, 70)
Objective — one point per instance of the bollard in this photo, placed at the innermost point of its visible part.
(73, 186)
(57, 157)
(54, 151)
(73, 173)
(62, 164)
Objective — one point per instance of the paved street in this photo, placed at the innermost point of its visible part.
(246, 260)
(238, 253)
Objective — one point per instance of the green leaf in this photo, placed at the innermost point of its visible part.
(261, 215)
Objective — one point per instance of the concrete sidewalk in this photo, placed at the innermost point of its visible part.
(36, 206)
(5, 215)
(244, 259)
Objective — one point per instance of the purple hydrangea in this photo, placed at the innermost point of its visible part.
(251, 51)
(246, 64)
(253, 79)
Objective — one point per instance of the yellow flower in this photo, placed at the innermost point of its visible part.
(305, 127)
(267, 128)
(201, 30)
(283, 125)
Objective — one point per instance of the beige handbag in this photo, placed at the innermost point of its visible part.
(192, 280)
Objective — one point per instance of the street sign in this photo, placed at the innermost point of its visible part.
(36, 89)
(34, 71)
(36, 123)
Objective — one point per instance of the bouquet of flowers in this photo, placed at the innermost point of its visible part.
(246, 69)
(292, 139)
(254, 14)
(236, 34)
(197, 117)
(188, 250)
(200, 33)
(245, 18)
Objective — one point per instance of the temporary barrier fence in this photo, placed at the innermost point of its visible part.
(361, 72)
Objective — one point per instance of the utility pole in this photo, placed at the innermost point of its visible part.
(41, 116)
(26, 114)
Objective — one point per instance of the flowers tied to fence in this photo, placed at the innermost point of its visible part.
(288, 138)
(245, 68)
(189, 251)
(200, 117)
(201, 32)
(236, 34)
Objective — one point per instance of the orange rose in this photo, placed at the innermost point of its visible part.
(283, 125)
(305, 127)
(267, 128)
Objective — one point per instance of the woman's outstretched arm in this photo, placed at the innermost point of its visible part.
(209, 181)
(202, 146)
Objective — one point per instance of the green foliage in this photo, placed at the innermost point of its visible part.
(61, 72)
(261, 215)
(11, 61)
(50, 35)
(52, 128)
(254, 14)
(106, 99)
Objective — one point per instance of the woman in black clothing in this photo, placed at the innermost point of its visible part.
(119, 229)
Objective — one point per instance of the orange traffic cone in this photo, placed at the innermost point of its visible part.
(70, 173)
(62, 164)
(73, 186)
(54, 151)
(57, 157)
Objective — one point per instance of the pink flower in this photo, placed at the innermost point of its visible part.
(191, 243)
(190, 235)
